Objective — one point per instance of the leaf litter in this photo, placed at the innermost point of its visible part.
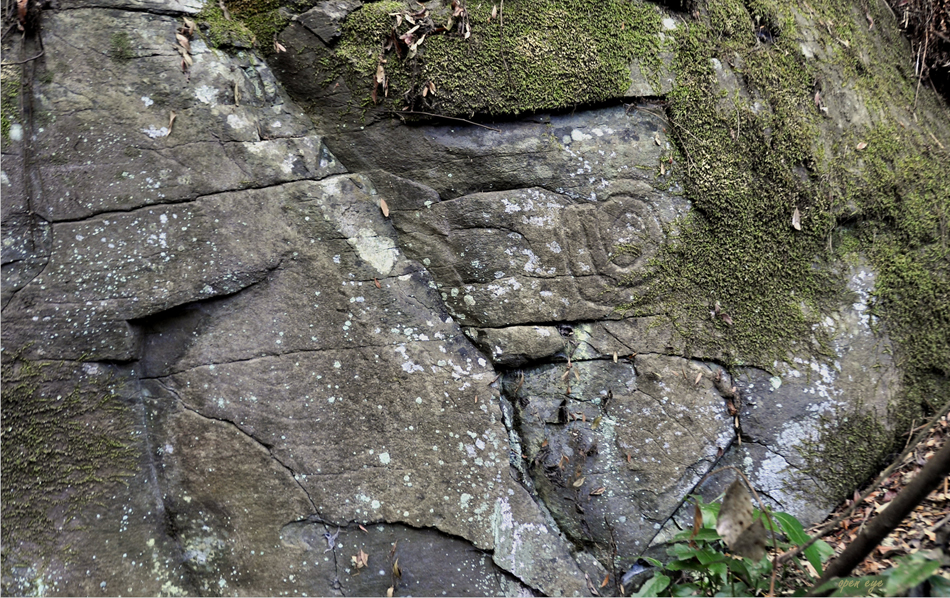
(923, 530)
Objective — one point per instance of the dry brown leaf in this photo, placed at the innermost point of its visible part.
(603, 584)
(279, 47)
(384, 207)
(171, 121)
(397, 571)
(189, 25)
(380, 74)
(735, 515)
(615, 357)
(861, 145)
(363, 528)
(579, 482)
(598, 492)
(743, 536)
(797, 220)
(697, 520)
(656, 138)
(360, 560)
(187, 60)
(596, 423)
(183, 41)
(494, 11)
(389, 592)
(545, 443)
(699, 377)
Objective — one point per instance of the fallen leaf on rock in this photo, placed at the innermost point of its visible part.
(183, 41)
(598, 492)
(360, 560)
(279, 47)
(596, 423)
(384, 207)
(615, 357)
(603, 584)
(389, 592)
(378, 286)
(579, 482)
(861, 145)
(797, 220)
(494, 11)
(397, 571)
(189, 27)
(699, 377)
(171, 121)
(590, 586)
(364, 529)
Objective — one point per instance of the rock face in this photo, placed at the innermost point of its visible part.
(301, 346)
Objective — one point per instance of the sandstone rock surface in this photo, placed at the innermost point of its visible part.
(305, 338)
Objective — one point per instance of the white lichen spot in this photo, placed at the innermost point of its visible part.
(207, 95)
(384, 458)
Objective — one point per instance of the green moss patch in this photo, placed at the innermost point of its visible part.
(749, 162)
(251, 22)
(120, 47)
(737, 278)
(9, 94)
(535, 55)
(61, 451)
(850, 450)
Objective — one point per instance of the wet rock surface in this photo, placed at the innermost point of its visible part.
(291, 364)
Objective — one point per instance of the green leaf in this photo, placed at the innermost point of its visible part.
(910, 571)
(685, 565)
(686, 589)
(710, 513)
(684, 551)
(706, 556)
(654, 585)
(796, 533)
(939, 585)
(653, 561)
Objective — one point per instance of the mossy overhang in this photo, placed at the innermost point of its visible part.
(520, 56)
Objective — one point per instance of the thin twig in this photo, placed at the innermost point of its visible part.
(923, 58)
(25, 60)
(448, 117)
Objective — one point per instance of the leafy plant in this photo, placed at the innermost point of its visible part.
(702, 565)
